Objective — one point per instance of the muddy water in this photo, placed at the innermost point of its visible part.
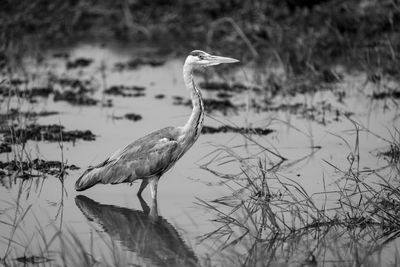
(108, 213)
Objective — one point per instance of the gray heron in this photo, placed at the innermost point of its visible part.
(151, 156)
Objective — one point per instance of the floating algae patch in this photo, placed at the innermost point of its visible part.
(33, 260)
(135, 63)
(50, 167)
(125, 91)
(52, 133)
(74, 91)
(241, 130)
(133, 117)
(321, 112)
(159, 96)
(387, 94)
(5, 148)
(7, 91)
(223, 86)
(210, 105)
(79, 63)
(224, 95)
(128, 116)
(75, 98)
(15, 113)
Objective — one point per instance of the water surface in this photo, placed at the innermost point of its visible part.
(107, 214)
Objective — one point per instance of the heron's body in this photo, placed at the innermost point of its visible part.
(152, 155)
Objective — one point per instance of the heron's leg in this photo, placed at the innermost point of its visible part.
(154, 209)
(153, 187)
(142, 186)
(145, 207)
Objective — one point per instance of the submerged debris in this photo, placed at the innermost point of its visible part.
(17, 81)
(82, 85)
(40, 91)
(40, 114)
(387, 94)
(14, 113)
(61, 55)
(133, 117)
(220, 105)
(75, 98)
(33, 259)
(108, 103)
(178, 99)
(159, 96)
(128, 116)
(214, 86)
(242, 130)
(137, 62)
(5, 148)
(8, 91)
(50, 167)
(125, 91)
(224, 95)
(321, 112)
(75, 91)
(79, 63)
(209, 104)
(52, 133)
(223, 86)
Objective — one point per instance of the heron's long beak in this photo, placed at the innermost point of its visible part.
(214, 60)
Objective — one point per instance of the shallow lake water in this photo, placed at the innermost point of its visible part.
(112, 215)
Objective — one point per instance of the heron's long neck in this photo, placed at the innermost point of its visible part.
(195, 123)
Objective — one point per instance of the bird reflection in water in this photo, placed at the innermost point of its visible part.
(145, 232)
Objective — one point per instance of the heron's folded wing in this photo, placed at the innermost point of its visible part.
(141, 160)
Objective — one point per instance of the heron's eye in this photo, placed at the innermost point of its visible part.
(201, 57)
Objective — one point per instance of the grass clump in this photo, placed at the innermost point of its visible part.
(270, 216)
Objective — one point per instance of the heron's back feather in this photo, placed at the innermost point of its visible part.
(149, 156)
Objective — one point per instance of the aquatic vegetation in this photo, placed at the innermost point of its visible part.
(267, 209)
(228, 128)
(79, 63)
(74, 91)
(222, 86)
(5, 147)
(46, 167)
(133, 117)
(137, 62)
(7, 91)
(159, 96)
(210, 105)
(75, 98)
(52, 133)
(125, 91)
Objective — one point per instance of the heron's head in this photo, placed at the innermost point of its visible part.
(198, 58)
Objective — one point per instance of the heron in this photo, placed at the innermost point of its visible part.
(149, 157)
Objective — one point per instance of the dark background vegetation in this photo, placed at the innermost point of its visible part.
(304, 35)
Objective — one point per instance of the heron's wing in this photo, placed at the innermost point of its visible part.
(148, 156)
(142, 160)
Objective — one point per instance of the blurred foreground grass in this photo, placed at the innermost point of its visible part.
(301, 36)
